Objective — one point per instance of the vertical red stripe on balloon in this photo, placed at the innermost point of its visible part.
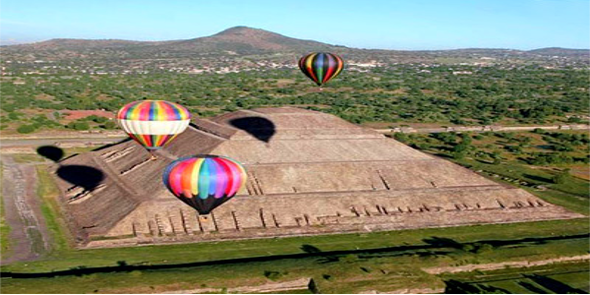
(176, 178)
(331, 68)
(227, 170)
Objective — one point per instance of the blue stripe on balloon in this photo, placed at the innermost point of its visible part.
(213, 181)
(152, 110)
(177, 113)
(204, 180)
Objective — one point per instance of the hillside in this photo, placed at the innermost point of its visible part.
(243, 48)
(246, 40)
(236, 40)
(558, 51)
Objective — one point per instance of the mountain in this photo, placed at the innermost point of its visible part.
(244, 39)
(238, 40)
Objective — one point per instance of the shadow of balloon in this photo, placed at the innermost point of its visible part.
(82, 176)
(261, 128)
(50, 152)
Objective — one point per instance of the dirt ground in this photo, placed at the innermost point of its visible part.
(502, 265)
(29, 238)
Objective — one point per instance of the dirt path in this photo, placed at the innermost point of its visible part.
(29, 237)
(408, 291)
(483, 128)
(266, 288)
(502, 265)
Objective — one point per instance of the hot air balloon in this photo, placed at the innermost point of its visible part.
(204, 182)
(321, 67)
(153, 123)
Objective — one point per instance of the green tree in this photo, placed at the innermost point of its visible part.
(25, 129)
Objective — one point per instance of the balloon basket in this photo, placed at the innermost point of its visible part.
(153, 156)
(207, 223)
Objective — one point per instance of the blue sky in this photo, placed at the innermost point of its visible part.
(387, 24)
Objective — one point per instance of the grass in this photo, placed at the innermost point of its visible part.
(578, 280)
(48, 192)
(364, 271)
(27, 158)
(540, 279)
(211, 251)
(575, 200)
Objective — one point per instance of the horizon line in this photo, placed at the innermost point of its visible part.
(17, 42)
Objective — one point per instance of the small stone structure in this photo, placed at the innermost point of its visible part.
(309, 173)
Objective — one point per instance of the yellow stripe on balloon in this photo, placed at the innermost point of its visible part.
(244, 177)
(309, 66)
(339, 66)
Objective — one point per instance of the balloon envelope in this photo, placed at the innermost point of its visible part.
(153, 123)
(204, 182)
(321, 67)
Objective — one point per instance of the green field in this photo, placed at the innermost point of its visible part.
(564, 278)
(388, 268)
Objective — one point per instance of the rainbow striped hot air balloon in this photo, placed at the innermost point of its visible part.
(204, 182)
(153, 123)
(321, 67)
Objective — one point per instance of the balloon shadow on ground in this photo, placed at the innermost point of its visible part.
(261, 128)
(50, 152)
(83, 176)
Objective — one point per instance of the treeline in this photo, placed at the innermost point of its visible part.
(403, 93)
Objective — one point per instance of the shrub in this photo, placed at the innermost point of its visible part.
(79, 126)
(25, 129)
(561, 177)
(109, 125)
(272, 275)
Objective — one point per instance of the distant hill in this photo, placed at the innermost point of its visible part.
(80, 44)
(558, 51)
(245, 41)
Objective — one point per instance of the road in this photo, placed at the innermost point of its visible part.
(57, 141)
(100, 139)
(482, 129)
(28, 236)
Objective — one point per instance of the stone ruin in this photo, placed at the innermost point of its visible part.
(308, 173)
